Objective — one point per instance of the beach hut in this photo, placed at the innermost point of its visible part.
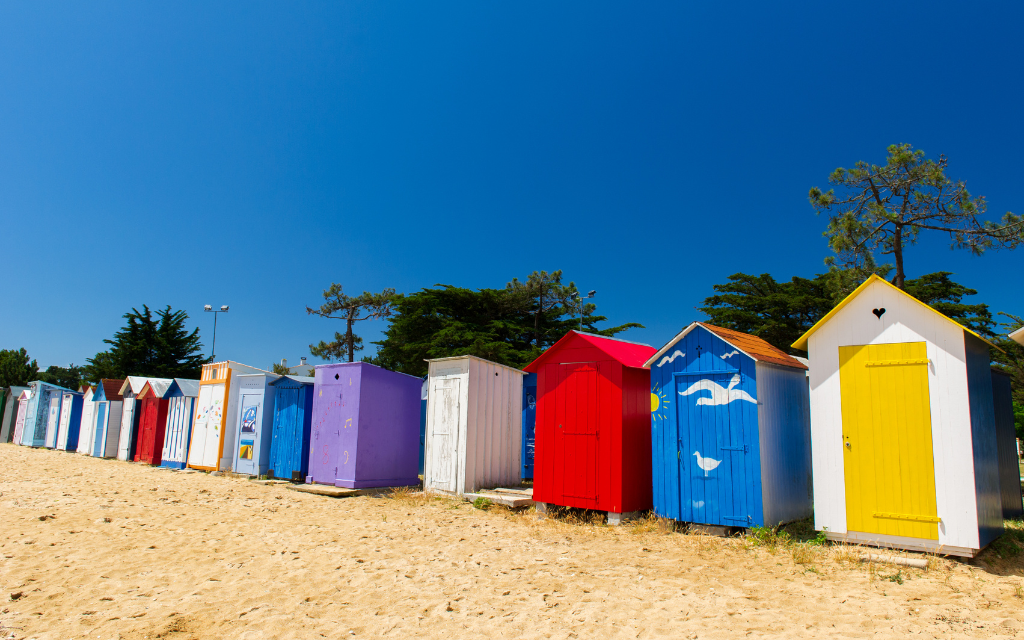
(423, 418)
(293, 414)
(212, 446)
(529, 423)
(19, 422)
(10, 413)
(1009, 469)
(903, 434)
(364, 428)
(593, 431)
(730, 430)
(70, 421)
(128, 437)
(1018, 336)
(474, 425)
(181, 399)
(255, 423)
(53, 420)
(5, 393)
(40, 410)
(107, 418)
(87, 430)
(152, 409)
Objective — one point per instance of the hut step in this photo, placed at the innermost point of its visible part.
(511, 500)
(334, 492)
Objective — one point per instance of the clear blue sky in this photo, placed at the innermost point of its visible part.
(251, 153)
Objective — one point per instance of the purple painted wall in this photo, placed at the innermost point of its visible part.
(366, 427)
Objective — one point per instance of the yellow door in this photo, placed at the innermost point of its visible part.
(887, 440)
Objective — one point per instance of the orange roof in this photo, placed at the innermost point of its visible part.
(754, 347)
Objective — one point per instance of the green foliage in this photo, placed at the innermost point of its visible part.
(1011, 361)
(896, 577)
(819, 540)
(946, 297)
(340, 306)
(150, 346)
(70, 377)
(496, 324)
(884, 208)
(770, 537)
(16, 370)
(281, 370)
(482, 503)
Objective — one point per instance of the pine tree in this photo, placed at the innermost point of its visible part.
(16, 369)
(159, 347)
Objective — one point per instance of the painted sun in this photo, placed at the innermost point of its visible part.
(659, 403)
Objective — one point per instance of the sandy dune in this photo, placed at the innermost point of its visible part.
(106, 549)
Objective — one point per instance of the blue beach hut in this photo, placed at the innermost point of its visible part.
(181, 408)
(730, 427)
(70, 421)
(293, 414)
(38, 413)
(529, 423)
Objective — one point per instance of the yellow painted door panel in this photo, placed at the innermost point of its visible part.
(887, 440)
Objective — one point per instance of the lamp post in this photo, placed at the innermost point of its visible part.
(579, 301)
(210, 309)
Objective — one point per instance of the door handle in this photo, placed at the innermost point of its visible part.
(848, 444)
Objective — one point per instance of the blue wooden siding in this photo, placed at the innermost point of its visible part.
(101, 429)
(529, 423)
(706, 407)
(289, 446)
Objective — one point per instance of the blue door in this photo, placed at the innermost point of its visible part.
(286, 444)
(101, 429)
(529, 423)
(713, 454)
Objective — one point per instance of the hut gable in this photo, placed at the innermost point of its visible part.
(108, 391)
(751, 346)
(577, 346)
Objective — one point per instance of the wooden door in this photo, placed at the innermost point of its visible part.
(250, 421)
(100, 435)
(286, 439)
(53, 421)
(64, 429)
(205, 448)
(712, 451)
(577, 433)
(147, 422)
(887, 440)
(444, 435)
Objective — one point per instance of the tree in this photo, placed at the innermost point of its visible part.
(781, 312)
(351, 309)
(543, 292)
(884, 209)
(496, 324)
(69, 377)
(1011, 361)
(147, 346)
(281, 369)
(15, 368)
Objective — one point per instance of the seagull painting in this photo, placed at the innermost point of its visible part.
(707, 464)
(668, 359)
(726, 356)
(719, 394)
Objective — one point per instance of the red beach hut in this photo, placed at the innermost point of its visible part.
(153, 405)
(593, 431)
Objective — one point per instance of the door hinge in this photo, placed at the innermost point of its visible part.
(744, 448)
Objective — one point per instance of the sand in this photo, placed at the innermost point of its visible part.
(106, 549)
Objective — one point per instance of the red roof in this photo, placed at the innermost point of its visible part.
(630, 354)
(112, 389)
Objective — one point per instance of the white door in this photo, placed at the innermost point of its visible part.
(205, 448)
(444, 436)
(124, 440)
(52, 421)
(88, 428)
(249, 424)
(65, 421)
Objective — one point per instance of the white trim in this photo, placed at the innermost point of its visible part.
(682, 334)
(1018, 336)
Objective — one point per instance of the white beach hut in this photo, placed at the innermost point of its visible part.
(87, 431)
(212, 445)
(107, 412)
(474, 425)
(903, 432)
(180, 413)
(10, 413)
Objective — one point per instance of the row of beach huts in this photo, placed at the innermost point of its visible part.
(895, 432)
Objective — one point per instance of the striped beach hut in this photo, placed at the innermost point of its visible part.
(293, 412)
(152, 409)
(903, 435)
(107, 418)
(730, 430)
(70, 421)
(181, 399)
(10, 412)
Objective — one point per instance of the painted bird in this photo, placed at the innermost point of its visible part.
(707, 464)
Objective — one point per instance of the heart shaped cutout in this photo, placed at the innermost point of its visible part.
(878, 312)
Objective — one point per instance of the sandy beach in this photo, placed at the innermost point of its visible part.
(106, 549)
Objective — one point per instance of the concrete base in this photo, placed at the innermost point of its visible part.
(373, 484)
(332, 492)
(506, 499)
(709, 530)
(542, 510)
(615, 519)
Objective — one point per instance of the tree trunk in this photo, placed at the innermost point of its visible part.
(536, 318)
(349, 337)
(897, 252)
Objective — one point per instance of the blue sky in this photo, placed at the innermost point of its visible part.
(252, 153)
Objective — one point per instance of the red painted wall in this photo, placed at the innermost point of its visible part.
(579, 386)
(152, 428)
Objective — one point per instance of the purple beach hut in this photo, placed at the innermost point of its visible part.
(366, 427)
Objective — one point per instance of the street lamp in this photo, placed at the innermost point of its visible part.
(209, 308)
(579, 301)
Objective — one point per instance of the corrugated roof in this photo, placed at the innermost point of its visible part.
(111, 389)
(755, 347)
(16, 391)
(801, 342)
(158, 387)
(300, 379)
(189, 387)
(630, 354)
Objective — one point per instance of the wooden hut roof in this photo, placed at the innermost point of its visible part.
(630, 354)
(750, 345)
(111, 389)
